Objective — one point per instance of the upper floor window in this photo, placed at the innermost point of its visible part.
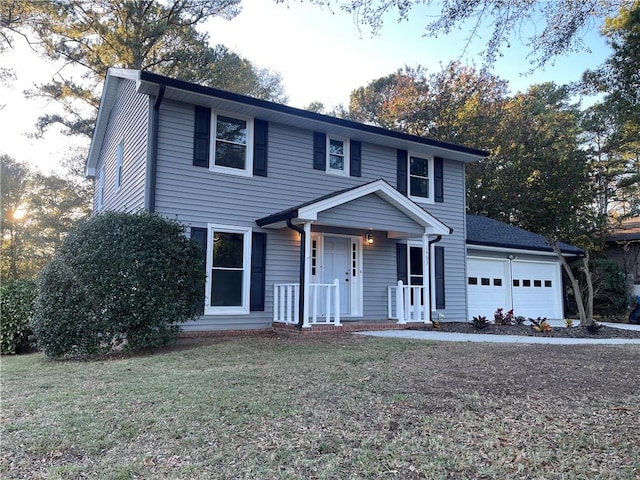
(421, 178)
(119, 154)
(232, 150)
(337, 155)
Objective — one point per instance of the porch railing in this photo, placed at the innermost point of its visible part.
(405, 303)
(323, 302)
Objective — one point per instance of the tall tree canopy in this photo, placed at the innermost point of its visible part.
(556, 25)
(159, 36)
(618, 122)
(37, 213)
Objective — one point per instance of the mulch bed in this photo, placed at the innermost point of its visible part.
(527, 330)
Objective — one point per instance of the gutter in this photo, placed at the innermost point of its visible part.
(302, 272)
(153, 157)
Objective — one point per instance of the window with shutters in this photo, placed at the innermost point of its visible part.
(420, 179)
(337, 155)
(228, 270)
(233, 138)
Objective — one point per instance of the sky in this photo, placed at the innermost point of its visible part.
(321, 55)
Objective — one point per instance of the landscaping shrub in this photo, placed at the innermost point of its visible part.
(16, 304)
(119, 281)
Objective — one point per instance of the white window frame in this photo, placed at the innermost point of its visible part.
(242, 309)
(100, 193)
(119, 159)
(247, 171)
(346, 152)
(430, 159)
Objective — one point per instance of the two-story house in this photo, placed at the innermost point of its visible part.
(303, 218)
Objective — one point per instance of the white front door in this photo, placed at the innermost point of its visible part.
(337, 265)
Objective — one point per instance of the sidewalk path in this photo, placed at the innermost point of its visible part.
(488, 338)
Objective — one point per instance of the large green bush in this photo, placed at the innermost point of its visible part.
(16, 305)
(119, 281)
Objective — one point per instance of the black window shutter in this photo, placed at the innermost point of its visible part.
(401, 261)
(438, 174)
(355, 151)
(201, 134)
(439, 277)
(200, 236)
(402, 171)
(260, 140)
(258, 271)
(319, 151)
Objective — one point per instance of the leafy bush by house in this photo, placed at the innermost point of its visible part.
(16, 304)
(119, 281)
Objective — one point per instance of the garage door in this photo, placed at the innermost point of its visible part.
(487, 286)
(536, 289)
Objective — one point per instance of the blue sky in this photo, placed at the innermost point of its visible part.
(321, 55)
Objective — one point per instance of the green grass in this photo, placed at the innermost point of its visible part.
(324, 408)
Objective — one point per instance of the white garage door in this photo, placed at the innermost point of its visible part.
(487, 286)
(532, 289)
(536, 289)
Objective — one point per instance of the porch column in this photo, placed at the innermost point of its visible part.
(426, 279)
(307, 272)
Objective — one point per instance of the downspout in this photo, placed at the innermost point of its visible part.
(302, 272)
(429, 243)
(153, 159)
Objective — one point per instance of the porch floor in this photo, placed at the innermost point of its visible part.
(346, 327)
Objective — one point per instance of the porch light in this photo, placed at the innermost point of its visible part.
(369, 238)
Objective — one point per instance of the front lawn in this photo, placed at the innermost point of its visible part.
(326, 408)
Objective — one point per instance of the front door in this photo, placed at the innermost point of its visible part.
(336, 263)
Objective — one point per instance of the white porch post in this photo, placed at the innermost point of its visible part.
(426, 276)
(307, 272)
(400, 303)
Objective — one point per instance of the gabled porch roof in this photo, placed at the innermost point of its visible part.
(309, 211)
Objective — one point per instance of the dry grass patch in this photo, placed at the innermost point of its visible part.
(321, 408)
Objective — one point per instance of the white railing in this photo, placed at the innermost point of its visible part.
(286, 297)
(405, 303)
(323, 302)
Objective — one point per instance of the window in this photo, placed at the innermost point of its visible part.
(119, 153)
(416, 275)
(473, 280)
(485, 281)
(228, 263)
(337, 156)
(232, 152)
(547, 283)
(526, 283)
(516, 283)
(537, 283)
(420, 177)
(100, 188)
(497, 282)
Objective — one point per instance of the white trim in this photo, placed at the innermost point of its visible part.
(242, 309)
(432, 225)
(345, 172)
(430, 167)
(522, 251)
(247, 171)
(100, 193)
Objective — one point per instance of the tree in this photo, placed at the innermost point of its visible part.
(14, 177)
(619, 81)
(457, 104)
(141, 34)
(558, 25)
(37, 213)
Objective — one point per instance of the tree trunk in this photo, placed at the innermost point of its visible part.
(586, 316)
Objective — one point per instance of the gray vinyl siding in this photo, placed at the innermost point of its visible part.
(128, 122)
(370, 211)
(196, 196)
